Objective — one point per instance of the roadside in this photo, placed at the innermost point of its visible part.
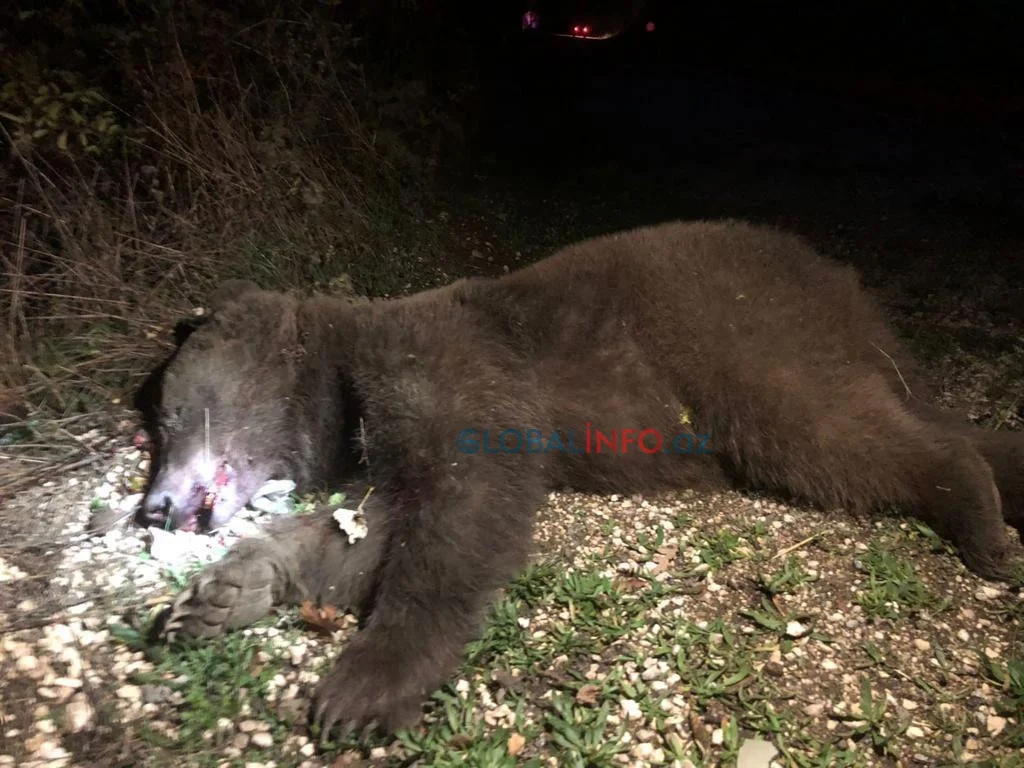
(666, 631)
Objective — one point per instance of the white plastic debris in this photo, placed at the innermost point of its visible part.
(177, 549)
(274, 497)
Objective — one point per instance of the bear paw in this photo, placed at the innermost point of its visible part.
(363, 693)
(233, 593)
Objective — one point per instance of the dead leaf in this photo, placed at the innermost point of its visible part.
(351, 759)
(505, 679)
(630, 584)
(588, 694)
(326, 618)
(460, 741)
(665, 557)
(516, 742)
(699, 734)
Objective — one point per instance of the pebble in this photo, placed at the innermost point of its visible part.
(630, 709)
(263, 739)
(995, 724)
(130, 692)
(986, 592)
(78, 713)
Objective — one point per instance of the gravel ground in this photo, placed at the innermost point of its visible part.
(661, 631)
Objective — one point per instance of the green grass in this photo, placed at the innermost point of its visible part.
(582, 735)
(787, 580)
(220, 679)
(720, 549)
(892, 586)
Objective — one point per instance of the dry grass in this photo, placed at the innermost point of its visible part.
(248, 153)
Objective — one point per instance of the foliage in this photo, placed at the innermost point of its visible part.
(157, 147)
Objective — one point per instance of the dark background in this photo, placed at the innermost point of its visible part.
(391, 145)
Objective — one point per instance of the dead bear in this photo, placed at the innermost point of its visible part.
(739, 333)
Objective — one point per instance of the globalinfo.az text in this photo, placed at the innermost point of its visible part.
(589, 441)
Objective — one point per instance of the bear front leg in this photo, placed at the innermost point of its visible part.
(447, 553)
(299, 558)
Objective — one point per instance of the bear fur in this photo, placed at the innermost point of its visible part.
(740, 336)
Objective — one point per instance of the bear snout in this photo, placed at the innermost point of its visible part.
(174, 502)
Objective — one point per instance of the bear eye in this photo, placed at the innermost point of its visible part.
(171, 418)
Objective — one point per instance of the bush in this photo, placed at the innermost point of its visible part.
(158, 147)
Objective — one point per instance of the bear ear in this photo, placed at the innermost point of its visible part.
(226, 293)
(230, 291)
(183, 328)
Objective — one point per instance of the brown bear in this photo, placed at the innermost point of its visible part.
(703, 353)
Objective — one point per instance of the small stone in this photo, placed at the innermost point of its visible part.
(631, 710)
(987, 593)
(130, 692)
(922, 645)
(795, 629)
(263, 740)
(995, 724)
(78, 713)
(129, 503)
(240, 740)
(915, 732)
(642, 751)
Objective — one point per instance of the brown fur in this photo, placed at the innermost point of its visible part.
(776, 351)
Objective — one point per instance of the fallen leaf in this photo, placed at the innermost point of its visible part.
(505, 679)
(326, 618)
(350, 759)
(460, 741)
(629, 584)
(516, 742)
(699, 734)
(665, 557)
(588, 694)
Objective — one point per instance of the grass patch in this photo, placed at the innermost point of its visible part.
(720, 549)
(785, 581)
(892, 586)
(582, 734)
(221, 681)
